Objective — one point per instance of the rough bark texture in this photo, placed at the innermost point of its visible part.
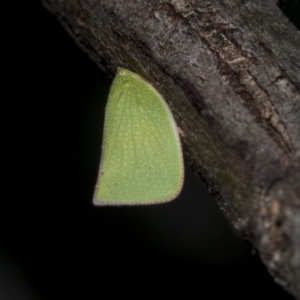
(230, 71)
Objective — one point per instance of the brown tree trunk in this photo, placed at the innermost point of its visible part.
(230, 71)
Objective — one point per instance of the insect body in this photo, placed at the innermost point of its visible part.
(141, 160)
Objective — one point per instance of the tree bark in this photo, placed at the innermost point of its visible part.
(230, 71)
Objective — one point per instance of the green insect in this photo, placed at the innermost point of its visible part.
(141, 160)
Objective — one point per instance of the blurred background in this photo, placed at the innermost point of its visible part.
(53, 242)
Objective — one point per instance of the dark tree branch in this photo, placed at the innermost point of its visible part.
(230, 71)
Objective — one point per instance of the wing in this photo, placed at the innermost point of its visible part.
(142, 159)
